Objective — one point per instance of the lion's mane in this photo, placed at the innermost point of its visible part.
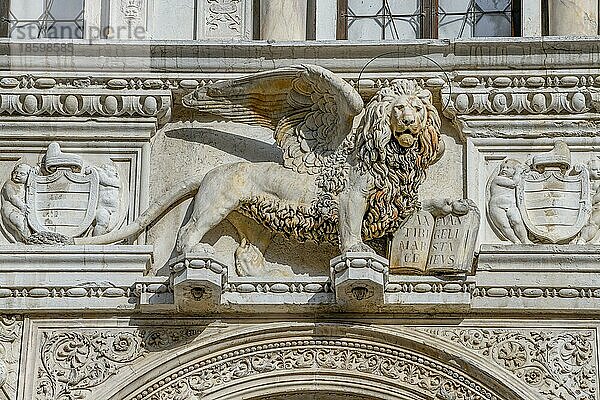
(397, 171)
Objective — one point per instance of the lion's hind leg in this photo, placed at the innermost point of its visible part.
(219, 194)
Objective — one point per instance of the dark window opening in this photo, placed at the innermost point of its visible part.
(413, 19)
(35, 19)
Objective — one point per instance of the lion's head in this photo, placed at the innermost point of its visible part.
(398, 139)
(402, 113)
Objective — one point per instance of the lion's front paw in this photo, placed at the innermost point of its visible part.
(186, 247)
(359, 248)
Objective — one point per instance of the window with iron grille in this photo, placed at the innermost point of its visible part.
(412, 19)
(34, 19)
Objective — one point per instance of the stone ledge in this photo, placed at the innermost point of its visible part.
(158, 56)
(539, 258)
(523, 278)
(111, 278)
(201, 284)
(70, 278)
(434, 293)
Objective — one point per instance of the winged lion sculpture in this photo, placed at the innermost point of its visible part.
(336, 184)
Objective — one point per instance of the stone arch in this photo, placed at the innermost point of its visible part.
(351, 360)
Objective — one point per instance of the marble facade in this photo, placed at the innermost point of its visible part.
(490, 291)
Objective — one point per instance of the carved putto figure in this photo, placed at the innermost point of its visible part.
(14, 208)
(108, 198)
(591, 228)
(336, 184)
(502, 205)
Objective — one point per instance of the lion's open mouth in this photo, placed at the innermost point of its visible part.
(405, 138)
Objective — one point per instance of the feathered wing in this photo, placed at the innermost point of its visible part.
(308, 107)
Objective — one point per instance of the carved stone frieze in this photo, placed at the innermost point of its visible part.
(226, 19)
(10, 350)
(73, 363)
(559, 364)
(481, 105)
(224, 14)
(537, 292)
(290, 286)
(420, 373)
(89, 104)
(428, 287)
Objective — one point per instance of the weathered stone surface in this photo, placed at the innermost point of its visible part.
(327, 189)
(11, 336)
(102, 322)
(573, 17)
(283, 20)
(546, 201)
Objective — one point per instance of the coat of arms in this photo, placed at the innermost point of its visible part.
(546, 200)
(59, 199)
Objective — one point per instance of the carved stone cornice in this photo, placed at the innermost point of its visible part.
(32, 96)
(506, 105)
(340, 56)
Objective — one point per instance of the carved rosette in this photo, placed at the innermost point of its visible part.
(559, 364)
(30, 96)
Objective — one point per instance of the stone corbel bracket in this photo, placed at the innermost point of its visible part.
(201, 283)
(524, 105)
(73, 99)
(197, 281)
(359, 279)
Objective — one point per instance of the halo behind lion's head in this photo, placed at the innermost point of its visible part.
(397, 164)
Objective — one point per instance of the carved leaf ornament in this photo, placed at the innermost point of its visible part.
(558, 364)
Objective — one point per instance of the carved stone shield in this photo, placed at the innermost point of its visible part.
(554, 205)
(64, 202)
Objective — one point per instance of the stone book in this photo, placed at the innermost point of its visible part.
(439, 239)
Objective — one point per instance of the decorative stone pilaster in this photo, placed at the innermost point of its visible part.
(10, 350)
(359, 279)
(283, 20)
(573, 17)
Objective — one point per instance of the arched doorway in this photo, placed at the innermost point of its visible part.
(314, 361)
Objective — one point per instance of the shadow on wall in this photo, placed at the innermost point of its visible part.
(281, 251)
(249, 149)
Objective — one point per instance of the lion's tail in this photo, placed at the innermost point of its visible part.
(183, 190)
